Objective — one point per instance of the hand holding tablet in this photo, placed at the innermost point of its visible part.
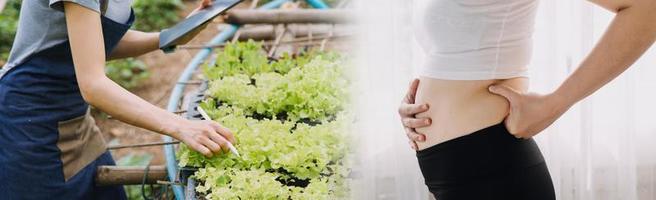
(188, 28)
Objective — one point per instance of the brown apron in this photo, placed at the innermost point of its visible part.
(80, 143)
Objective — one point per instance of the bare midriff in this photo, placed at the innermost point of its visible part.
(461, 107)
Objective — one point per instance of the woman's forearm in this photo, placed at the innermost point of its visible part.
(135, 43)
(129, 108)
(630, 34)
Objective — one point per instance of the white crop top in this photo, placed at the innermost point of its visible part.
(475, 39)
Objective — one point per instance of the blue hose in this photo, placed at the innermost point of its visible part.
(176, 94)
(318, 4)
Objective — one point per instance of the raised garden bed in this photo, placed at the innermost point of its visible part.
(289, 117)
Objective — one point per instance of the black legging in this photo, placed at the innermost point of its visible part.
(488, 164)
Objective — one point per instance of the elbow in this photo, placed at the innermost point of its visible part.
(88, 92)
(91, 89)
(647, 6)
(620, 6)
(613, 6)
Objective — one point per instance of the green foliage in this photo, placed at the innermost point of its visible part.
(127, 72)
(306, 151)
(258, 184)
(239, 58)
(8, 25)
(305, 161)
(311, 86)
(289, 120)
(247, 58)
(155, 15)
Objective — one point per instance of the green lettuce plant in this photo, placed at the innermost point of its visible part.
(289, 117)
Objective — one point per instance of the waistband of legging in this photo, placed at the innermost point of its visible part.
(454, 143)
(494, 141)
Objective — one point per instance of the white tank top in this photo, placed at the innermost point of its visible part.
(475, 39)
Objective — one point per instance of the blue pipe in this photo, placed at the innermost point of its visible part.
(176, 94)
(318, 4)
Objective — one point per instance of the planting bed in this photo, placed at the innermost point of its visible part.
(289, 117)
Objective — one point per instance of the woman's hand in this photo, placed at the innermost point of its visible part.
(407, 110)
(530, 113)
(206, 137)
(184, 40)
(203, 4)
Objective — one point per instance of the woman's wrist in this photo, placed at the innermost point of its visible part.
(560, 101)
(173, 126)
(154, 40)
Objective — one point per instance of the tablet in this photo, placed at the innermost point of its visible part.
(168, 37)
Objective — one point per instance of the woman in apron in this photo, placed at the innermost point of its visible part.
(49, 144)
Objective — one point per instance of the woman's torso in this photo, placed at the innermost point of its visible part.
(458, 107)
(468, 46)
